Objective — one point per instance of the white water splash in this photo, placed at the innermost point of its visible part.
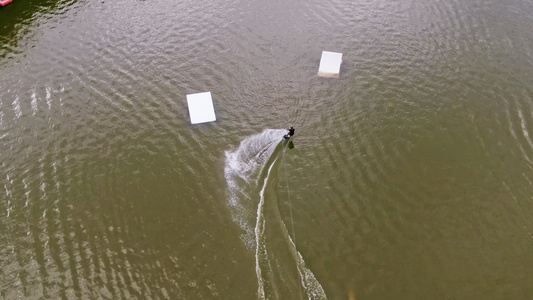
(243, 170)
(243, 166)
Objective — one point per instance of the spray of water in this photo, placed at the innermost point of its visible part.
(248, 171)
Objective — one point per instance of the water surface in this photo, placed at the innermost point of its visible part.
(410, 177)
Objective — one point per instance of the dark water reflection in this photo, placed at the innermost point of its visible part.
(20, 18)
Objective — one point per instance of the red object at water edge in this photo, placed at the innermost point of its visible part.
(5, 2)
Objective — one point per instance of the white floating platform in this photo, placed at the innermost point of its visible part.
(201, 108)
(330, 64)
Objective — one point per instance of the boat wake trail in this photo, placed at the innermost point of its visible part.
(250, 173)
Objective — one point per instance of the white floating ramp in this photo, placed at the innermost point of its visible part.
(201, 108)
(330, 64)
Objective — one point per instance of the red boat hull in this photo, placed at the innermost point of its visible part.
(5, 2)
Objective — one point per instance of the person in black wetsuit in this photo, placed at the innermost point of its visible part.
(290, 133)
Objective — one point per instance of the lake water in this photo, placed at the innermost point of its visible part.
(409, 177)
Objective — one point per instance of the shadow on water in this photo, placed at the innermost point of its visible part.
(19, 18)
(290, 145)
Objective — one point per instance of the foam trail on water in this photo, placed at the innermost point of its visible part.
(242, 170)
(246, 190)
(311, 285)
(260, 250)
